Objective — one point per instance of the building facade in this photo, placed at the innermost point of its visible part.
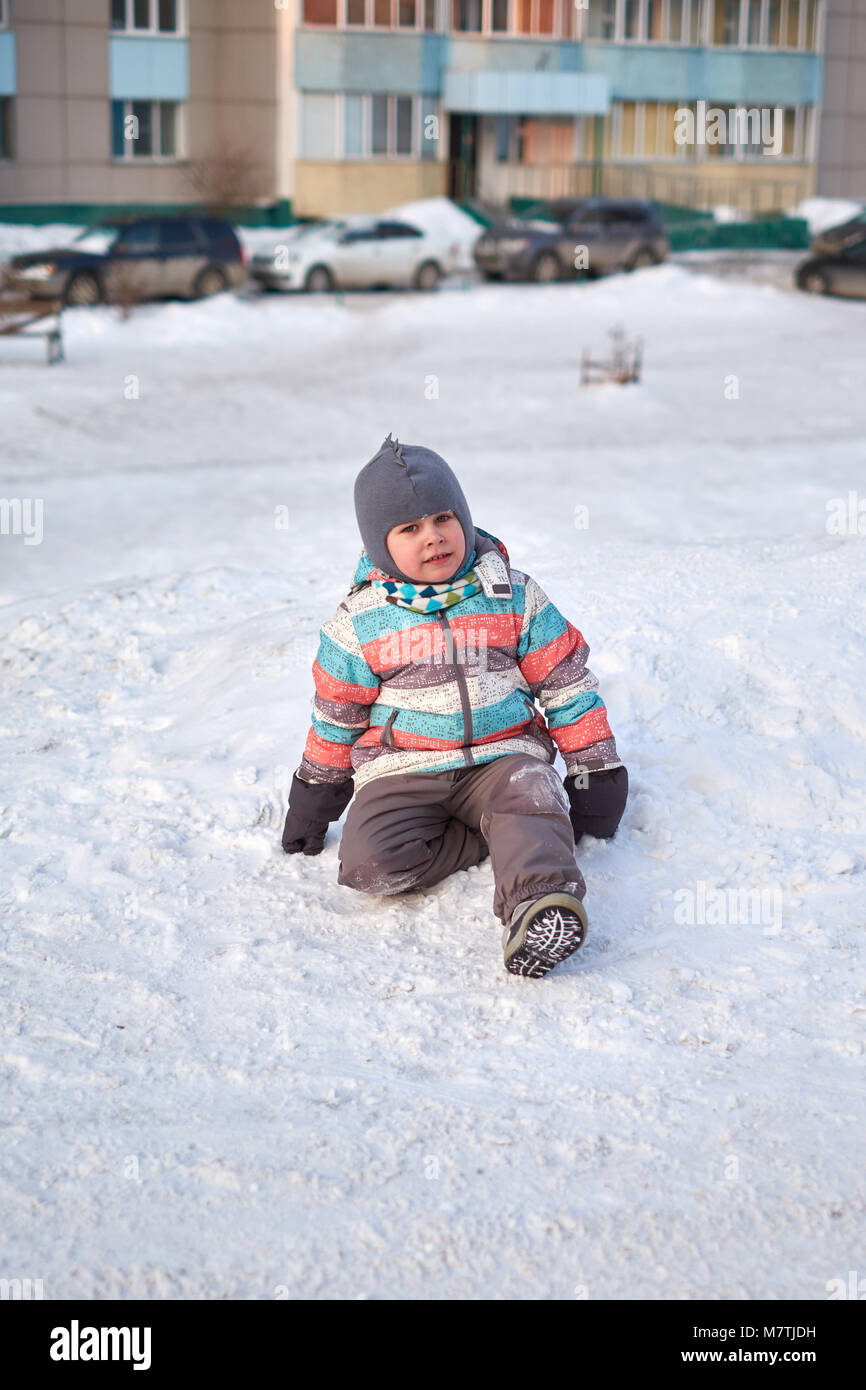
(106, 102)
(355, 105)
(842, 152)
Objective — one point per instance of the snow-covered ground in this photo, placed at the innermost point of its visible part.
(226, 1076)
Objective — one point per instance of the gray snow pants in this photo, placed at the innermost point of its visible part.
(409, 830)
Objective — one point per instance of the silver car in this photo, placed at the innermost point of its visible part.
(354, 254)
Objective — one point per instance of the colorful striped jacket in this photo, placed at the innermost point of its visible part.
(402, 691)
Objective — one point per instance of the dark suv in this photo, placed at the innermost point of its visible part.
(139, 258)
(618, 235)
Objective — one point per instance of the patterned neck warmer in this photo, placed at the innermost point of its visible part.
(427, 598)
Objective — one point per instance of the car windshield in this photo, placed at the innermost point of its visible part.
(97, 239)
(313, 228)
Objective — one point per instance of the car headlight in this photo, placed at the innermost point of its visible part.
(36, 272)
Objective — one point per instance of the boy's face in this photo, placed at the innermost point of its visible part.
(428, 550)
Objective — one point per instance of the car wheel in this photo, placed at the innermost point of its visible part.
(642, 257)
(211, 280)
(427, 276)
(319, 280)
(83, 288)
(545, 268)
(813, 281)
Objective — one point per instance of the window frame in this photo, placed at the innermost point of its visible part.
(4, 14)
(803, 136)
(701, 11)
(367, 25)
(10, 156)
(156, 127)
(444, 21)
(390, 154)
(129, 30)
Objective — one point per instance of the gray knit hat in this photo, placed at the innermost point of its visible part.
(401, 483)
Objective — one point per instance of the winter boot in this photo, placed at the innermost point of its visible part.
(542, 932)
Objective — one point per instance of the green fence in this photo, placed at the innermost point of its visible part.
(278, 214)
(765, 234)
(691, 230)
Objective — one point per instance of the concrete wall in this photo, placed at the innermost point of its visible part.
(842, 150)
(343, 186)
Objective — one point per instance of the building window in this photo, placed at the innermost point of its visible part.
(791, 34)
(782, 24)
(675, 14)
(631, 11)
(6, 143)
(146, 16)
(320, 12)
(145, 130)
(727, 23)
(647, 130)
(467, 16)
(601, 20)
(372, 126)
(380, 125)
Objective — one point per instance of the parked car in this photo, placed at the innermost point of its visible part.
(833, 239)
(355, 254)
(618, 235)
(841, 272)
(143, 258)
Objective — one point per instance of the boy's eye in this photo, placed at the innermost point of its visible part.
(443, 516)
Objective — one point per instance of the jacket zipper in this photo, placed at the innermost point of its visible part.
(465, 702)
(531, 707)
(386, 736)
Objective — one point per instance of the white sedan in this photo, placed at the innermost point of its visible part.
(357, 254)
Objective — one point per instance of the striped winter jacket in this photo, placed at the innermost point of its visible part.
(403, 691)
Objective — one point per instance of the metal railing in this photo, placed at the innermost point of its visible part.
(740, 187)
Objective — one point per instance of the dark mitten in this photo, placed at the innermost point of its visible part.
(312, 807)
(597, 808)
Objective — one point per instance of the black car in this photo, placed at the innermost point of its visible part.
(618, 234)
(841, 272)
(834, 239)
(136, 258)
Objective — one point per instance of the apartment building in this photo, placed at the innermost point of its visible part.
(355, 105)
(842, 151)
(106, 102)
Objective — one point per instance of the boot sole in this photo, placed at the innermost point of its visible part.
(537, 948)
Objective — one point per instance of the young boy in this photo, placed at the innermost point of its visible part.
(425, 686)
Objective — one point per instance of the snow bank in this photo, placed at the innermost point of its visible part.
(444, 219)
(822, 213)
(17, 239)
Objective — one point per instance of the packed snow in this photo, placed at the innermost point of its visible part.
(224, 1075)
(822, 213)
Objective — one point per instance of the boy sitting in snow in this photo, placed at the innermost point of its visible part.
(424, 709)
